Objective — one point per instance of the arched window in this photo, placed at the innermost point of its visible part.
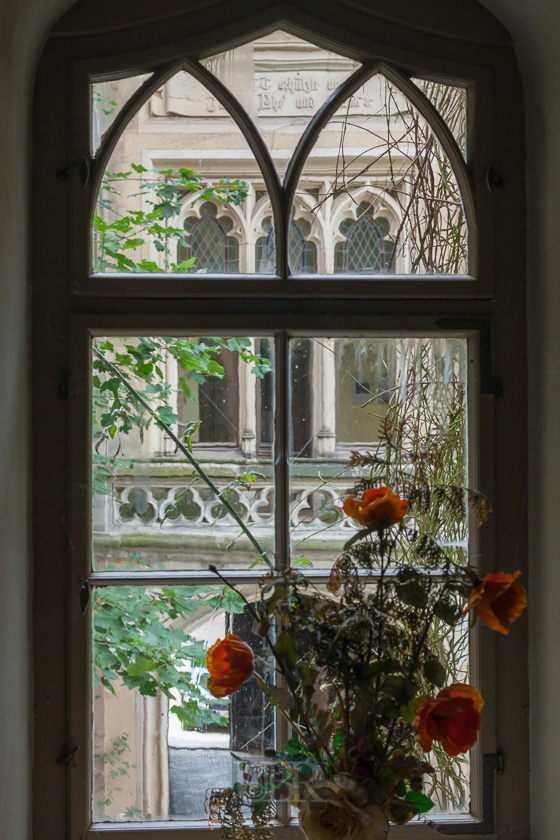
(209, 244)
(374, 285)
(302, 253)
(368, 248)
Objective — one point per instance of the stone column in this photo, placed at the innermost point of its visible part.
(328, 248)
(323, 396)
(155, 761)
(172, 377)
(156, 443)
(247, 409)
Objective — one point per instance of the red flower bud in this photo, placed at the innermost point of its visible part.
(498, 600)
(230, 662)
(377, 504)
(452, 718)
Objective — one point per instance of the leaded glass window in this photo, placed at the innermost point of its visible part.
(208, 242)
(368, 248)
(302, 253)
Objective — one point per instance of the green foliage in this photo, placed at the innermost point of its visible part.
(103, 468)
(108, 106)
(137, 642)
(114, 767)
(143, 361)
(134, 637)
(163, 191)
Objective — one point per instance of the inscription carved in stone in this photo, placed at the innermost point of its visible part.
(275, 93)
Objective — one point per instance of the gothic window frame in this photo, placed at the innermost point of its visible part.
(70, 305)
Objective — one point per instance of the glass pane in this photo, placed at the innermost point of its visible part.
(383, 397)
(282, 81)
(451, 102)
(160, 739)
(302, 253)
(182, 190)
(150, 506)
(450, 786)
(107, 100)
(378, 193)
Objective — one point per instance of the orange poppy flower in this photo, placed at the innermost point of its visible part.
(452, 718)
(230, 662)
(377, 504)
(498, 600)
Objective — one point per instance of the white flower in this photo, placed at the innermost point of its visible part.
(336, 809)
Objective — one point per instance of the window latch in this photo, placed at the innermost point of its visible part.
(492, 180)
(65, 759)
(84, 597)
(83, 170)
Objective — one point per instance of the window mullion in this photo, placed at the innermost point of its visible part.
(281, 453)
(282, 506)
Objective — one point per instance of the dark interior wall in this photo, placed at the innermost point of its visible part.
(535, 28)
(436, 16)
(23, 28)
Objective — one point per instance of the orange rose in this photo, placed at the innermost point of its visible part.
(452, 718)
(230, 662)
(378, 504)
(498, 600)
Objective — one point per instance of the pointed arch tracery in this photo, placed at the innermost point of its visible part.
(294, 244)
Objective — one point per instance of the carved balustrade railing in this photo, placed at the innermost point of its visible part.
(178, 505)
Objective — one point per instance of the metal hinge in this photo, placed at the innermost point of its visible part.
(492, 763)
(492, 180)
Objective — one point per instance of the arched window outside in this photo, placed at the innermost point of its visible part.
(302, 253)
(209, 243)
(368, 248)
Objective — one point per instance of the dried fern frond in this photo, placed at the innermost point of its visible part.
(365, 459)
(225, 809)
(481, 505)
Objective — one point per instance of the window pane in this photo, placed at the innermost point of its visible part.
(302, 252)
(282, 81)
(377, 190)
(382, 397)
(386, 399)
(451, 102)
(181, 190)
(160, 739)
(107, 100)
(150, 506)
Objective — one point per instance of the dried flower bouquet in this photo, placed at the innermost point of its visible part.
(359, 677)
(364, 669)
